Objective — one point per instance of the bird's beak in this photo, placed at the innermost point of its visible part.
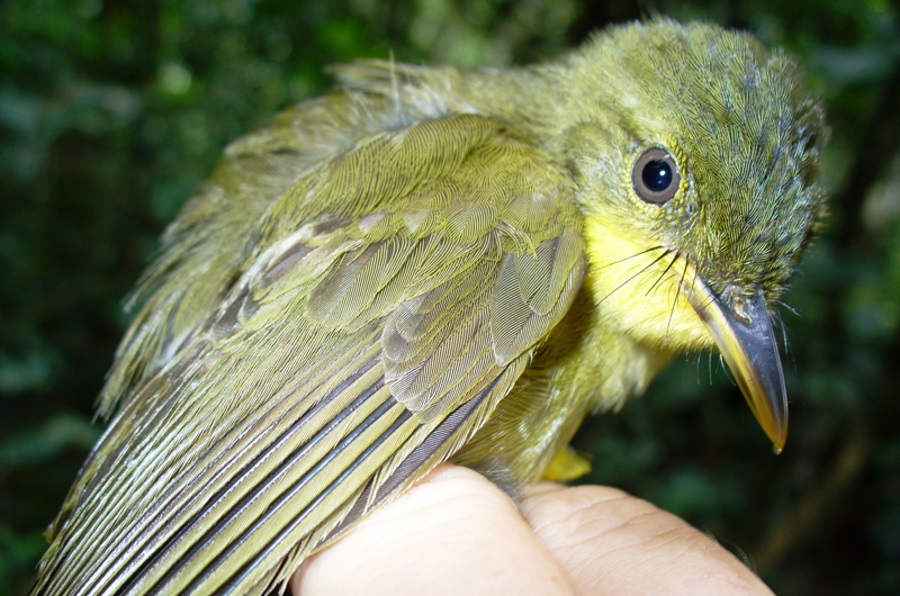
(744, 335)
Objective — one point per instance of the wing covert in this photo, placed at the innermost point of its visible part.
(353, 350)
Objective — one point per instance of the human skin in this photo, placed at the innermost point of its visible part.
(456, 533)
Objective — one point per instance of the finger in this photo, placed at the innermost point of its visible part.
(610, 542)
(453, 533)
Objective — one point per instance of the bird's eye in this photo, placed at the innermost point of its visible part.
(655, 176)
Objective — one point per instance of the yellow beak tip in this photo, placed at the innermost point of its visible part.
(778, 444)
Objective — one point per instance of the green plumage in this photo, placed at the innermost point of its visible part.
(428, 265)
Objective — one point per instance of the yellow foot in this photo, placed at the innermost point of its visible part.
(566, 465)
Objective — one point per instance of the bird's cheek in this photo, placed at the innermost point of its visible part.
(640, 287)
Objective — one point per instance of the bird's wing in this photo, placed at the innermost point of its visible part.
(392, 297)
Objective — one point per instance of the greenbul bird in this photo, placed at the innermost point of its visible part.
(431, 265)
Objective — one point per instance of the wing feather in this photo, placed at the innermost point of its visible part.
(346, 355)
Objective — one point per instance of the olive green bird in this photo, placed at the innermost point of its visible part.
(431, 265)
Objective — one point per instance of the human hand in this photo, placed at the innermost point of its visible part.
(456, 533)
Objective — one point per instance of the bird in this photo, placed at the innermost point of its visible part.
(428, 265)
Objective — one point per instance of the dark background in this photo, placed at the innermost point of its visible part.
(112, 113)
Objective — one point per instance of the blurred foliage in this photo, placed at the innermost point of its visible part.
(112, 114)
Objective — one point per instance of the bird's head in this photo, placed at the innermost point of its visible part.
(696, 158)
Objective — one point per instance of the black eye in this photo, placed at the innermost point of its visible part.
(655, 176)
